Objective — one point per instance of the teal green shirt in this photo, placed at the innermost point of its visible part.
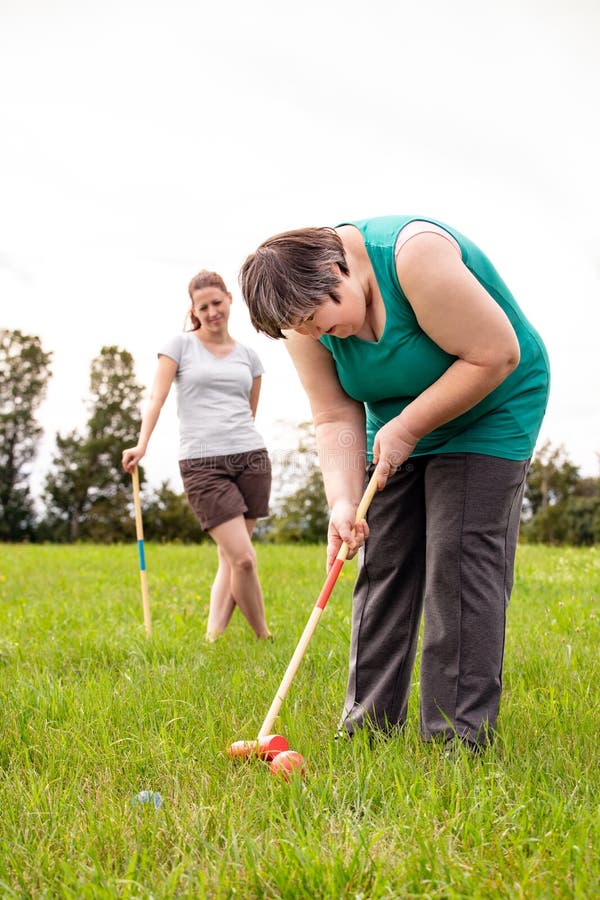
(386, 375)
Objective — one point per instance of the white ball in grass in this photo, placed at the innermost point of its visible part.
(150, 798)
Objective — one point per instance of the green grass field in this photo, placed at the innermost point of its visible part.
(94, 712)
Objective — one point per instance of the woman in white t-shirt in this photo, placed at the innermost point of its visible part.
(223, 461)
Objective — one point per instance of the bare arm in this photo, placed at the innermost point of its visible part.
(255, 394)
(165, 373)
(459, 315)
(341, 442)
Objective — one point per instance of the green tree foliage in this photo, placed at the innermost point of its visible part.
(551, 479)
(87, 492)
(66, 490)
(167, 517)
(560, 507)
(24, 374)
(302, 517)
(300, 512)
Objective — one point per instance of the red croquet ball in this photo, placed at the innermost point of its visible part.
(286, 763)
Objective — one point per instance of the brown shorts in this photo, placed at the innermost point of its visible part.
(220, 488)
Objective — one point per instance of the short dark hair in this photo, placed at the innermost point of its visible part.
(290, 275)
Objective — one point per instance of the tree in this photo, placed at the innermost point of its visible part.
(116, 399)
(24, 374)
(168, 517)
(66, 490)
(301, 512)
(583, 520)
(88, 493)
(552, 478)
(560, 507)
(303, 516)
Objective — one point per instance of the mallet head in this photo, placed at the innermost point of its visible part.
(266, 747)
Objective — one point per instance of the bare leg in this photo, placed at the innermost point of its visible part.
(238, 560)
(222, 602)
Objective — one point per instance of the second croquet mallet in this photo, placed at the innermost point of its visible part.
(139, 528)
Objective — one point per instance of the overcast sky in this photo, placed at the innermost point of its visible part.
(144, 141)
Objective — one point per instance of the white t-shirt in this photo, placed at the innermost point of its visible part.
(213, 398)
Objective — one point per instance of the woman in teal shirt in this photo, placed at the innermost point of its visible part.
(416, 358)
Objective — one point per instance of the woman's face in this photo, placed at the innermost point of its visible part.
(211, 307)
(340, 319)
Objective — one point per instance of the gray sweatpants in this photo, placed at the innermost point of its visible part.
(443, 538)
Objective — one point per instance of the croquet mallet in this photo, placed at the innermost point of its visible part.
(267, 745)
(139, 528)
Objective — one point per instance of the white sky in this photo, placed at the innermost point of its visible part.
(143, 141)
